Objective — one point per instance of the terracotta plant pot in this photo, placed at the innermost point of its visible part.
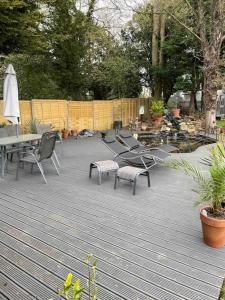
(213, 230)
(175, 112)
(73, 132)
(65, 134)
(157, 121)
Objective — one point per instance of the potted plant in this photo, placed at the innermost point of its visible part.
(157, 110)
(211, 190)
(174, 107)
(65, 133)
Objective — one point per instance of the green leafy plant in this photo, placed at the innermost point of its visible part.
(211, 186)
(74, 290)
(157, 108)
(173, 104)
(2, 125)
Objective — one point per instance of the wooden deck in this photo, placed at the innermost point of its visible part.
(148, 246)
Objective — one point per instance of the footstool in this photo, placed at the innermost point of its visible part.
(104, 166)
(131, 174)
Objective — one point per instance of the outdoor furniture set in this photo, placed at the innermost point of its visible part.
(26, 153)
(137, 157)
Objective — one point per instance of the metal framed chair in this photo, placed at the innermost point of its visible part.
(44, 152)
(132, 144)
(43, 128)
(140, 160)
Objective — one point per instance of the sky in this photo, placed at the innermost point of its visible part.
(115, 13)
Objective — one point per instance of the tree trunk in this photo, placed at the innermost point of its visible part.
(210, 66)
(155, 53)
(192, 105)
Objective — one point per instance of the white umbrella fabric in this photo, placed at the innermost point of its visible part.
(11, 109)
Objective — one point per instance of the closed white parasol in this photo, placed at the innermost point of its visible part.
(11, 109)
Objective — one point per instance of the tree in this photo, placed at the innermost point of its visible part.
(209, 33)
(19, 26)
(177, 54)
(67, 29)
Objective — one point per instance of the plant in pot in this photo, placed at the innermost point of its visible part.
(174, 107)
(211, 190)
(157, 110)
(65, 133)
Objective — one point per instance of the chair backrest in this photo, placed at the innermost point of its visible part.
(127, 138)
(47, 145)
(114, 146)
(3, 132)
(12, 130)
(43, 128)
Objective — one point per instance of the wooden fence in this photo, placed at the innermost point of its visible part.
(97, 115)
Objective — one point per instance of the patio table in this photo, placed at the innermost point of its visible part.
(14, 140)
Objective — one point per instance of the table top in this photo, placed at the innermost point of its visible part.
(19, 139)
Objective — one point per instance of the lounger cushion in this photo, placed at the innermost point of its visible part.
(106, 165)
(129, 173)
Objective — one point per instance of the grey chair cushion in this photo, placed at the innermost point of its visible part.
(129, 173)
(106, 165)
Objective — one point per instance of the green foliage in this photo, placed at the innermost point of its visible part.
(220, 123)
(34, 75)
(211, 188)
(19, 26)
(74, 290)
(157, 107)
(2, 125)
(175, 103)
(222, 292)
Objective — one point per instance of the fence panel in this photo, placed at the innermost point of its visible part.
(98, 115)
(53, 112)
(80, 115)
(25, 113)
(103, 115)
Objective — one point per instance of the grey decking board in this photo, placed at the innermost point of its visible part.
(10, 290)
(122, 217)
(131, 294)
(129, 232)
(84, 236)
(187, 241)
(108, 257)
(193, 298)
(27, 282)
(38, 260)
(206, 289)
(122, 220)
(73, 173)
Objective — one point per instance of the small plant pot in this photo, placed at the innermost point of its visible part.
(175, 112)
(157, 121)
(73, 132)
(65, 134)
(213, 230)
(34, 142)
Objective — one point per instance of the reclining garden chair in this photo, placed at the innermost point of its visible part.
(44, 152)
(133, 145)
(140, 160)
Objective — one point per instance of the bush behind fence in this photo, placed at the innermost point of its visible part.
(97, 114)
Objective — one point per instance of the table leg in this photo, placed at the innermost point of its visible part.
(3, 161)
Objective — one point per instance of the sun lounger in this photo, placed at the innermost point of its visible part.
(142, 160)
(133, 145)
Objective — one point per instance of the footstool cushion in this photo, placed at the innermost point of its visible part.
(131, 174)
(103, 166)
